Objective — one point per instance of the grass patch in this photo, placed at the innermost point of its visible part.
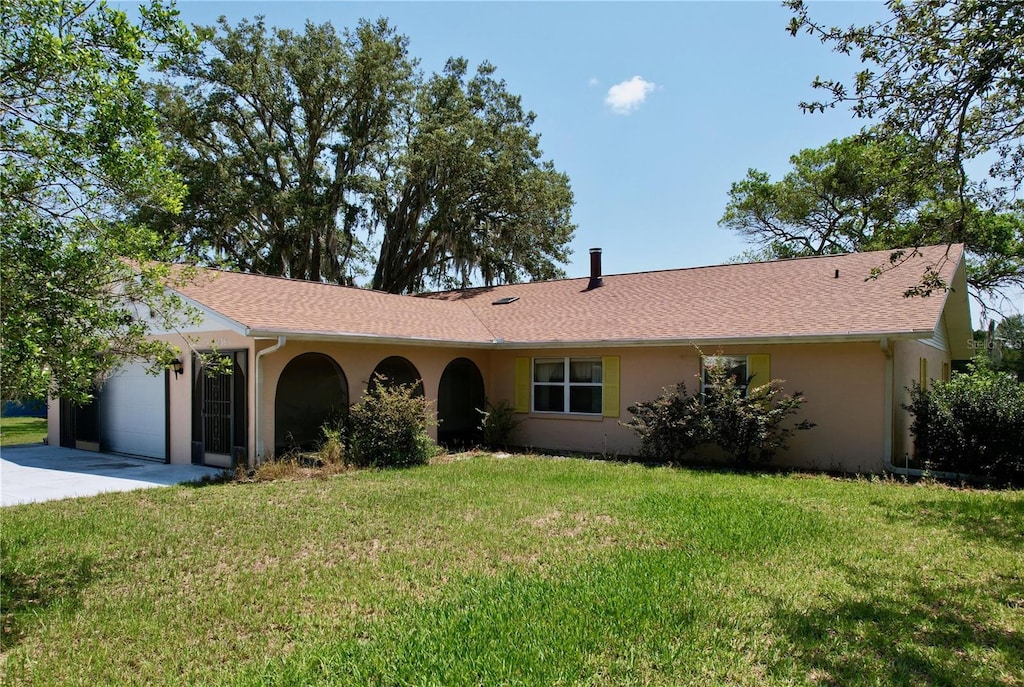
(22, 430)
(522, 571)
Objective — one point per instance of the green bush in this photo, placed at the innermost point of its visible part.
(498, 424)
(972, 424)
(746, 422)
(332, 448)
(388, 428)
(671, 425)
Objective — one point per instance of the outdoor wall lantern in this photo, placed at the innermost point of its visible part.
(177, 367)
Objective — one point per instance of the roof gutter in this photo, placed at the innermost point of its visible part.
(281, 341)
(848, 337)
(347, 337)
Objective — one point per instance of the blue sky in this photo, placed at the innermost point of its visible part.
(652, 108)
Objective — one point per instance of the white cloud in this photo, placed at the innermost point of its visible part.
(593, 81)
(627, 96)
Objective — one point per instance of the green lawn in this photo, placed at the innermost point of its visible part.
(525, 571)
(22, 430)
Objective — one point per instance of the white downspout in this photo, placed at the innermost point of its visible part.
(888, 417)
(281, 341)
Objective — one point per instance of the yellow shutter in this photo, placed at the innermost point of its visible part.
(522, 385)
(923, 372)
(610, 395)
(759, 368)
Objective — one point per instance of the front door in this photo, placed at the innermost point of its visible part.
(219, 412)
(218, 418)
(79, 425)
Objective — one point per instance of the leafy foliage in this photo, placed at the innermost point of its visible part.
(971, 424)
(332, 447)
(499, 423)
(871, 192)
(1002, 344)
(1009, 335)
(388, 428)
(324, 156)
(839, 198)
(745, 421)
(949, 74)
(81, 151)
(671, 425)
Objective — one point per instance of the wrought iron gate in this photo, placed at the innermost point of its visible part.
(219, 427)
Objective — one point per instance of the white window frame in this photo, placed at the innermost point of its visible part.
(566, 384)
(730, 360)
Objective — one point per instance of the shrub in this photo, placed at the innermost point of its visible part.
(747, 423)
(670, 426)
(388, 428)
(498, 424)
(972, 424)
(332, 448)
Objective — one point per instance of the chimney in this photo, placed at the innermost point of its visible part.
(595, 269)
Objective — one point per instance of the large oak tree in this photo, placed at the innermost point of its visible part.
(328, 156)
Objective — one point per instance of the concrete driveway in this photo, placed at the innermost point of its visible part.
(38, 472)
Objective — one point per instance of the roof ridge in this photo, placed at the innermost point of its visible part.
(296, 280)
(473, 289)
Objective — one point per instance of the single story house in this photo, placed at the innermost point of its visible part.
(571, 355)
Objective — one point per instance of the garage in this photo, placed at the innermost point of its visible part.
(132, 413)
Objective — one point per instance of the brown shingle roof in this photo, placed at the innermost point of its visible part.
(277, 305)
(786, 298)
(798, 298)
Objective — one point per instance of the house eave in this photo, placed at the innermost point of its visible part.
(350, 337)
(844, 337)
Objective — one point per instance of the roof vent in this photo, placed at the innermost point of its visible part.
(595, 269)
(506, 300)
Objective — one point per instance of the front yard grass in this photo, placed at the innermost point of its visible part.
(521, 570)
(22, 430)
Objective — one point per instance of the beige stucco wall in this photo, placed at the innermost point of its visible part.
(357, 362)
(180, 391)
(845, 389)
(643, 373)
(906, 370)
(843, 383)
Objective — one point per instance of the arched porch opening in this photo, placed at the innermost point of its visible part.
(460, 398)
(396, 370)
(312, 391)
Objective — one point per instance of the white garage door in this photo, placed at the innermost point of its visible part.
(133, 413)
